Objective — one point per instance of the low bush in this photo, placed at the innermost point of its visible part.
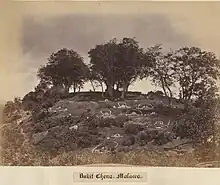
(131, 128)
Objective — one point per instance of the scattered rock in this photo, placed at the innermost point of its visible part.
(116, 136)
(153, 114)
(73, 127)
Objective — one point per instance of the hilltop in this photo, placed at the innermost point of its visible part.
(87, 123)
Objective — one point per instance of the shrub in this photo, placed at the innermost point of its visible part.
(197, 126)
(131, 128)
(128, 140)
(106, 122)
(164, 137)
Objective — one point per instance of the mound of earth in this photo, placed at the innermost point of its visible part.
(103, 126)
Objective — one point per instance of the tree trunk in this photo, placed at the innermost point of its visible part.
(123, 94)
(163, 86)
(110, 90)
(74, 87)
(102, 89)
(187, 99)
(125, 89)
(170, 96)
(93, 87)
(66, 89)
(169, 101)
(186, 104)
(117, 87)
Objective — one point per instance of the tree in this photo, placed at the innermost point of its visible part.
(160, 70)
(12, 108)
(42, 87)
(96, 80)
(9, 107)
(130, 60)
(194, 70)
(205, 92)
(102, 60)
(66, 68)
(117, 64)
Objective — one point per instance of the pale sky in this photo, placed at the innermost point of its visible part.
(47, 27)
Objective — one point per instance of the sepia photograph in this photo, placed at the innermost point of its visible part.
(137, 87)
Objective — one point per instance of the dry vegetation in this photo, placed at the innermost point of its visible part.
(17, 146)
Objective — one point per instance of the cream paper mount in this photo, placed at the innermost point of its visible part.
(110, 90)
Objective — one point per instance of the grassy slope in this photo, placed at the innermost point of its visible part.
(19, 155)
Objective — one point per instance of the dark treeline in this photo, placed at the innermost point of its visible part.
(115, 65)
(188, 73)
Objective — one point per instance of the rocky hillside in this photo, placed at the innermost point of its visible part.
(101, 127)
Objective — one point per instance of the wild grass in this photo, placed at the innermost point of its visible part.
(29, 156)
(15, 153)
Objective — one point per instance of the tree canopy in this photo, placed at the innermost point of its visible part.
(117, 63)
(160, 71)
(66, 68)
(195, 71)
